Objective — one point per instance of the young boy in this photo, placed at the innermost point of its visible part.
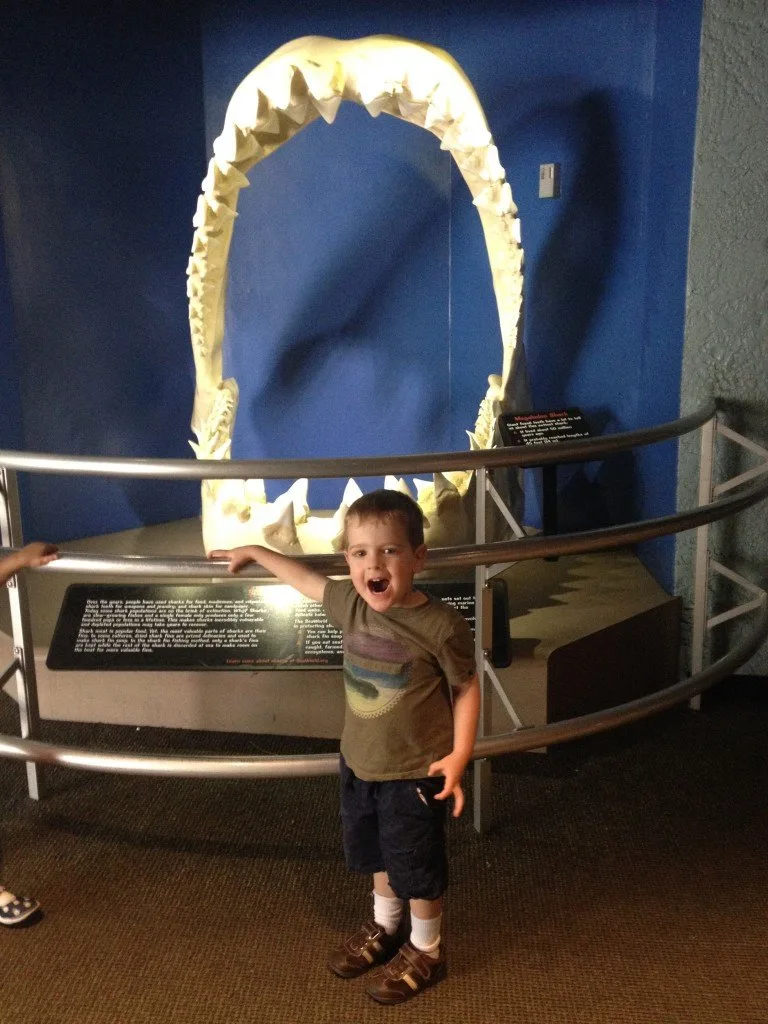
(412, 706)
(15, 909)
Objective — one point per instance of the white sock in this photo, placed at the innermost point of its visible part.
(425, 934)
(387, 912)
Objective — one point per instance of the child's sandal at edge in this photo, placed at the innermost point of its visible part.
(18, 909)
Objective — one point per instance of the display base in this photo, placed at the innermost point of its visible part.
(588, 632)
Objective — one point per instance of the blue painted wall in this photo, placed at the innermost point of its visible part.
(10, 400)
(361, 316)
(101, 155)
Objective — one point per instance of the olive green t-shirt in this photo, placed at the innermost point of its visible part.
(398, 669)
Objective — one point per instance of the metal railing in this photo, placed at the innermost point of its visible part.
(31, 750)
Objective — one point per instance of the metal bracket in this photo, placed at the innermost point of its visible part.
(704, 565)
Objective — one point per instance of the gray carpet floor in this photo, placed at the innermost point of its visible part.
(625, 881)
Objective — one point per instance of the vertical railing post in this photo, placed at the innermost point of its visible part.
(23, 647)
(481, 790)
(701, 559)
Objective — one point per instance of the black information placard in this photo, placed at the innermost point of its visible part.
(543, 427)
(209, 626)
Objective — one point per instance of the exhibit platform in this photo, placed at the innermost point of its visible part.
(588, 632)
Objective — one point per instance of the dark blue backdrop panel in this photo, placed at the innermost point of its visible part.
(102, 152)
(340, 339)
(564, 84)
(11, 435)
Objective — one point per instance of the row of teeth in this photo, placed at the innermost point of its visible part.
(275, 102)
(295, 96)
(288, 522)
(304, 80)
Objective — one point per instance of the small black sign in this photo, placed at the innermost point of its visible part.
(526, 428)
(211, 626)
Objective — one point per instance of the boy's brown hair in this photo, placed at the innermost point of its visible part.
(385, 504)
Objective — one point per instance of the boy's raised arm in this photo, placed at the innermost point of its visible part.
(292, 571)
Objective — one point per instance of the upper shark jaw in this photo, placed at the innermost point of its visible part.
(301, 81)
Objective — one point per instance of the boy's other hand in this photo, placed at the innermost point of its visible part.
(452, 767)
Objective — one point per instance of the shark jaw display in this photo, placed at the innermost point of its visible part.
(303, 80)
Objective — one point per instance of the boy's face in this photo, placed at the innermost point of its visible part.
(382, 562)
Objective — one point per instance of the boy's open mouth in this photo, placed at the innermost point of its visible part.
(378, 586)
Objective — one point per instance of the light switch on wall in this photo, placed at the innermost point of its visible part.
(549, 181)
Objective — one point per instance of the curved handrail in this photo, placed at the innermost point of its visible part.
(459, 557)
(304, 765)
(584, 450)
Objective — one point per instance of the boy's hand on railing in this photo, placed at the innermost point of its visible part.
(238, 557)
(292, 571)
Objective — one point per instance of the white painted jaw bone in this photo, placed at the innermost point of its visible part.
(303, 80)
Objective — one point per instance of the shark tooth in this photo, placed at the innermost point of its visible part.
(451, 137)
(412, 110)
(423, 488)
(382, 102)
(439, 114)
(236, 145)
(351, 493)
(394, 483)
(419, 81)
(378, 95)
(442, 485)
(255, 491)
(326, 87)
(340, 518)
(451, 523)
(324, 79)
(226, 177)
(482, 163)
(296, 496)
(299, 105)
(276, 84)
(222, 451)
(319, 534)
(328, 108)
(208, 207)
(460, 479)
(495, 198)
(280, 534)
(225, 146)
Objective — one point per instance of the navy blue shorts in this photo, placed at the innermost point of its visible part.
(397, 827)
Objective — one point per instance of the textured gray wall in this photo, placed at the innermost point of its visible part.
(726, 343)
